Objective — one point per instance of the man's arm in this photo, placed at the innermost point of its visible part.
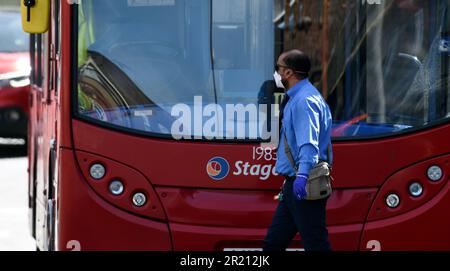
(306, 125)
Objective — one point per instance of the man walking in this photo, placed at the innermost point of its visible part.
(306, 127)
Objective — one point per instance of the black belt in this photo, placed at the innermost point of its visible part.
(290, 178)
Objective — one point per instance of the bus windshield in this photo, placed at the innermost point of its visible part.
(205, 66)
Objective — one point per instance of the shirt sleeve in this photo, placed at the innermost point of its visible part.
(306, 125)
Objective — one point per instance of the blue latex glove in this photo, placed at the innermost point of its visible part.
(300, 186)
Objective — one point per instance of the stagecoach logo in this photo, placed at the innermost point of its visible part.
(217, 168)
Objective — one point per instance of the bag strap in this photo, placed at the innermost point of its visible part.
(329, 154)
(288, 152)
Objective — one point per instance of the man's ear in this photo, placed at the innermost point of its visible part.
(289, 73)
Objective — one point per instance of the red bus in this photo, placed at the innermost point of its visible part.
(14, 75)
(111, 80)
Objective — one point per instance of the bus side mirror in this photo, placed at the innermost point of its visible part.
(35, 16)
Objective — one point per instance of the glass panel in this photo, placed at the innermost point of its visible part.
(140, 59)
(383, 68)
(386, 68)
(12, 38)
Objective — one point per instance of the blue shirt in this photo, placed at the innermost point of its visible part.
(307, 124)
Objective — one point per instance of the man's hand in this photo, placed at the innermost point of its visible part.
(300, 186)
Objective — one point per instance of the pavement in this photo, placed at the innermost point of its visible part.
(14, 232)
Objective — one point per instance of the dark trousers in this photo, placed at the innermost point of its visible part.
(292, 216)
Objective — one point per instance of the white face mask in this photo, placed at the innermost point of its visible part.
(277, 78)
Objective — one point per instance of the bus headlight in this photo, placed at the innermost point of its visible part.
(415, 189)
(97, 171)
(392, 200)
(116, 187)
(434, 173)
(139, 199)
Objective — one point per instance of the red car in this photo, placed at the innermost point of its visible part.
(14, 76)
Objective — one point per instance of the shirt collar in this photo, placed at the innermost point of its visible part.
(296, 88)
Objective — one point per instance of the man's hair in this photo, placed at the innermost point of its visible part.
(298, 61)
